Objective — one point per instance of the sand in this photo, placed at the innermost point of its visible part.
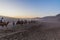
(45, 31)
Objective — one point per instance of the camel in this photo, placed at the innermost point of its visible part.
(25, 22)
(4, 24)
(20, 22)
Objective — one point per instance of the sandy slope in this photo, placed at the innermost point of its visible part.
(41, 33)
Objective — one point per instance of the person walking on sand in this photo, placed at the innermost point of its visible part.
(13, 23)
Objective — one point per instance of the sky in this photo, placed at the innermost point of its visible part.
(29, 8)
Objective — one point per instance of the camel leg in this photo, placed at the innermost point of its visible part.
(6, 26)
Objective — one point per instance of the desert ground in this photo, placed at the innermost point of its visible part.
(43, 30)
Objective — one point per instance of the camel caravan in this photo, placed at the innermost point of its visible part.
(19, 22)
(22, 22)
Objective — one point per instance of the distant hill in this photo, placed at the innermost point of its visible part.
(58, 15)
(50, 18)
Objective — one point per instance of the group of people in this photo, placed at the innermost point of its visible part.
(20, 22)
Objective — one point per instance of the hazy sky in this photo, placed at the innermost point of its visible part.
(29, 8)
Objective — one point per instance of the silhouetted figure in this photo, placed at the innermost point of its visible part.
(21, 22)
(18, 22)
(13, 23)
(1, 20)
(25, 21)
